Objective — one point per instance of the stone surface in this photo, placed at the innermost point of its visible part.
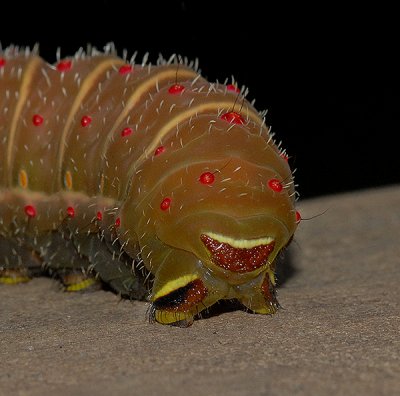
(338, 331)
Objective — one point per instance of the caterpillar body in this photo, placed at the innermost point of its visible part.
(146, 177)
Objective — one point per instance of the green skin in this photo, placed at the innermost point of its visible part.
(79, 195)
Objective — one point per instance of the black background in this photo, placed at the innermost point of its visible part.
(327, 73)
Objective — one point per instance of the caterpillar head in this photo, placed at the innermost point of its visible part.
(206, 242)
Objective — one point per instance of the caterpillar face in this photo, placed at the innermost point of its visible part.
(129, 172)
(219, 266)
(215, 240)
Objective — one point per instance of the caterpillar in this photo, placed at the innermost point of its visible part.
(146, 178)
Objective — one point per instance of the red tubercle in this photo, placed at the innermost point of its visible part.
(233, 88)
(275, 185)
(30, 211)
(165, 203)
(99, 216)
(176, 89)
(70, 211)
(159, 150)
(232, 117)
(37, 119)
(126, 132)
(125, 69)
(298, 217)
(207, 178)
(86, 120)
(64, 65)
(284, 156)
(117, 222)
(2, 62)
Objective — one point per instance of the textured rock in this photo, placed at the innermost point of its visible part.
(338, 331)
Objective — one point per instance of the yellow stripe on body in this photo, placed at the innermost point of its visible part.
(183, 116)
(140, 90)
(85, 88)
(32, 66)
(174, 285)
(240, 243)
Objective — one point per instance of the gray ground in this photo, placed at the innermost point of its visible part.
(338, 333)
